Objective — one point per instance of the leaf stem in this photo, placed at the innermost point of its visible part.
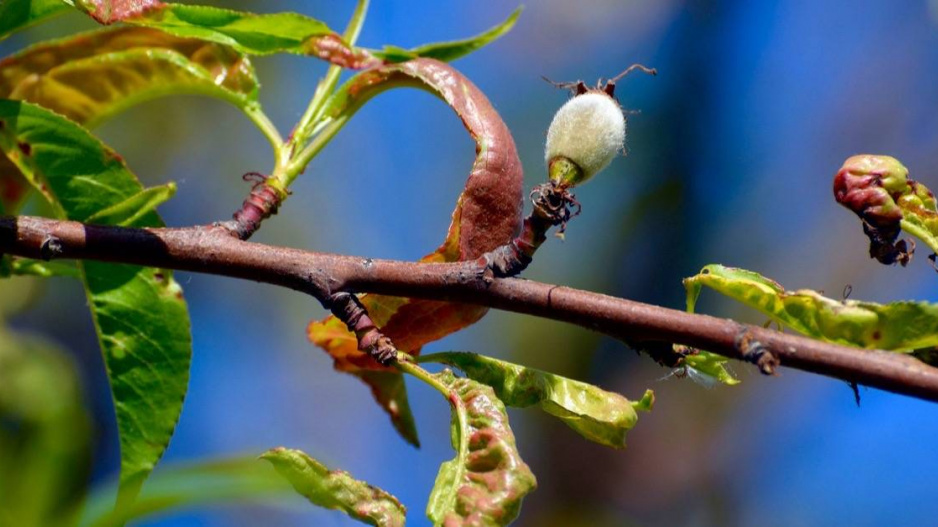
(313, 114)
(264, 124)
(407, 364)
(299, 161)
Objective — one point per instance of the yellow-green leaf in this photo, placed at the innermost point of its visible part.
(596, 414)
(898, 326)
(337, 489)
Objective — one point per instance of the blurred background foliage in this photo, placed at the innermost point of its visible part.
(731, 154)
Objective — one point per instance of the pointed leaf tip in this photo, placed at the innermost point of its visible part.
(336, 489)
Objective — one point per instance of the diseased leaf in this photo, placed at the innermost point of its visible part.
(486, 482)
(182, 486)
(20, 14)
(600, 416)
(45, 454)
(897, 326)
(130, 210)
(139, 313)
(337, 489)
(246, 32)
(95, 75)
(14, 189)
(878, 190)
(449, 51)
(487, 214)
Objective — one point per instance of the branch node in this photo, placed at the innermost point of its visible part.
(755, 352)
(553, 205)
(262, 203)
(50, 248)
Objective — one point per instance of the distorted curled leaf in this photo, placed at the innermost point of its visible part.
(898, 326)
(487, 215)
(94, 75)
(486, 482)
(879, 190)
(337, 489)
(598, 415)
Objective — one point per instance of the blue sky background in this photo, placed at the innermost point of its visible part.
(731, 159)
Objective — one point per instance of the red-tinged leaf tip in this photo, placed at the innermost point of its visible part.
(110, 11)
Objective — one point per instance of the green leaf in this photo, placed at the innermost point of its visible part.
(898, 326)
(139, 313)
(236, 480)
(711, 365)
(337, 489)
(95, 75)
(449, 51)
(486, 482)
(132, 209)
(44, 438)
(600, 416)
(20, 14)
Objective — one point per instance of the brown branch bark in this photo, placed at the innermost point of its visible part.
(213, 250)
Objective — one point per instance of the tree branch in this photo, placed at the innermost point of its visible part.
(213, 250)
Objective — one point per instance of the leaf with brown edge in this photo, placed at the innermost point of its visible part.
(487, 214)
(92, 76)
(251, 33)
(110, 11)
(336, 489)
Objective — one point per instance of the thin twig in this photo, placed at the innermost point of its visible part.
(212, 250)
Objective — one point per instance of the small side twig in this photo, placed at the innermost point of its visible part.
(349, 309)
(553, 205)
(262, 203)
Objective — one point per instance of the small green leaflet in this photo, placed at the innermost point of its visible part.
(20, 14)
(898, 326)
(600, 416)
(139, 313)
(132, 209)
(337, 489)
(449, 51)
(486, 482)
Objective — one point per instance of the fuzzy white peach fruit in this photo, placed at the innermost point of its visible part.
(588, 130)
